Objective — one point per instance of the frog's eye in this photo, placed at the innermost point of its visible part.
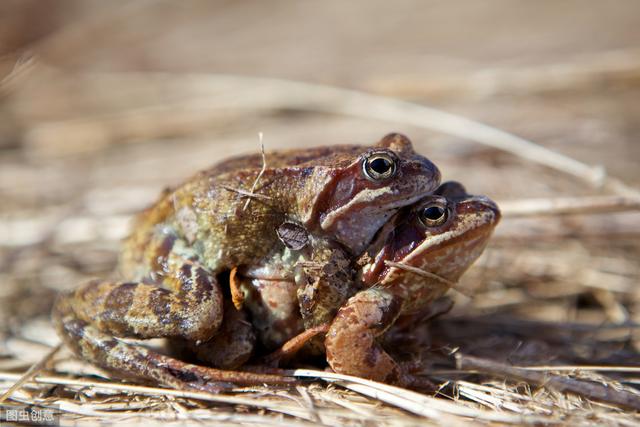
(433, 215)
(379, 166)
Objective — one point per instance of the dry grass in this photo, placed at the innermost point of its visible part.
(546, 325)
(488, 389)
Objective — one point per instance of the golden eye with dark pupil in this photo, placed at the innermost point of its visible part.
(433, 215)
(379, 166)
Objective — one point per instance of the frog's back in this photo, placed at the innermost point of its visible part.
(227, 216)
(316, 156)
(208, 216)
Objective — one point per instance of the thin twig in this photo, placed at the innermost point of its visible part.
(23, 66)
(31, 372)
(413, 402)
(264, 167)
(569, 205)
(545, 368)
(420, 272)
(590, 390)
(143, 390)
(246, 193)
(581, 368)
(609, 227)
(308, 402)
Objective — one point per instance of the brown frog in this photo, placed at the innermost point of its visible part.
(230, 217)
(416, 258)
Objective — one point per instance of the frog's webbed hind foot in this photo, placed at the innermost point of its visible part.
(139, 363)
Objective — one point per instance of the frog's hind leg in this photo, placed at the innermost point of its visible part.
(187, 303)
(177, 298)
(137, 362)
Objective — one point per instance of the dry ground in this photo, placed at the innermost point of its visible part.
(102, 104)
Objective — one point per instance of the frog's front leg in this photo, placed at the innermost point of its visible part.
(324, 285)
(351, 343)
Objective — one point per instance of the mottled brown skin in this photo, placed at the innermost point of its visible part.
(296, 290)
(445, 249)
(205, 227)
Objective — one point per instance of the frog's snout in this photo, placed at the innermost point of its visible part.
(490, 205)
(487, 208)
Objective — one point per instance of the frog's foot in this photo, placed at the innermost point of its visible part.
(291, 347)
(232, 345)
(131, 361)
(351, 343)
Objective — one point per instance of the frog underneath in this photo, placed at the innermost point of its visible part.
(416, 259)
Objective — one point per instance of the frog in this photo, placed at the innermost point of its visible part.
(177, 263)
(415, 259)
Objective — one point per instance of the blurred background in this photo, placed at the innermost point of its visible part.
(103, 104)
